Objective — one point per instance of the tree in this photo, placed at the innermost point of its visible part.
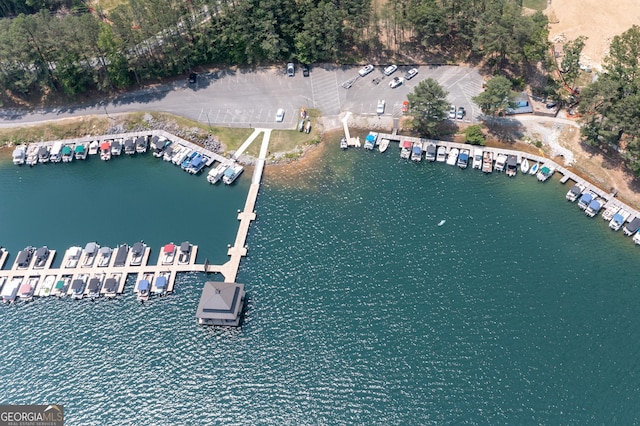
(473, 135)
(570, 65)
(497, 96)
(428, 106)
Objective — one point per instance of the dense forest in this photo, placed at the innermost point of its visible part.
(64, 47)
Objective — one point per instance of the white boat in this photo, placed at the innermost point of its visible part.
(44, 152)
(32, 155)
(619, 219)
(184, 255)
(636, 237)
(68, 153)
(463, 159)
(477, 159)
(594, 207)
(610, 211)
(72, 255)
(216, 173)
(41, 257)
(104, 256)
(181, 155)
(95, 285)
(416, 152)
(524, 166)
(80, 151)
(24, 258)
(232, 173)
(442, 222)
(94, 147)
(430, 151)
(370, 140)
(143, 287)
(545, 173)
(441, 154)
(512, 165)
(487, 162)
(405, 150)
(343, 143)
(78, 286)
(585, 199)
(90, 253)
(534, 169)
(575, 192)
(46, 289)
(55, 156)
(161, 283)
(137, 253)
(10, 290)
(19, 155)
(116, 147)
(631, 227)
(383, 145)
(105, 151)
(170, 152)
(111, 285)
(452, 158)
(501, 162)
(25, 293)
(129, 146)
(168, 254)
(142, 143)
(61, 286)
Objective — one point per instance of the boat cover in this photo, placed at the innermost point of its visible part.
(406, 144)
(115, 144)
(104, 251)
(618, 218)
(137, 248)
(105, 146)
(595, 205)
(77, 286)
(25, 288)
(59, 285)
(197, 161)
(545, 170)
(463, 156)
(91, 248)
(143, 285)
(110, 285)
(586, 198)
(431, 148)
(121, 255)
(66, 150)
(94, 284)
(370, 138)
(512, 161)
(42, 252)
(633, 226)
(141, 141)
(168, 248)
(79, 148)
(417, 149)
(185, 247)
(575, 189)
(161, 282)
(43, 151)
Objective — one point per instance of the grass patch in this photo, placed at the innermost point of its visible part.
(62, 129)
(535, 4)
(291, 141)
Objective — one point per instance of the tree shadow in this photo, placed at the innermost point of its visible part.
(504, 129)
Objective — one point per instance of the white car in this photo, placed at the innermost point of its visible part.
(397, 81)
(452, 112)
(411, 73)
(390, 69)
(280, 115)
(461, 113)
(365, 70)
(380, 108)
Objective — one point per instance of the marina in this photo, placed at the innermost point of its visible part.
(591, 198)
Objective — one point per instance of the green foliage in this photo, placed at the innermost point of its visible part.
(428, 106)
(497, 96)
(570, 64)
(473, 135)
(611, 105)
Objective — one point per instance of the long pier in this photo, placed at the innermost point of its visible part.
(567, 175)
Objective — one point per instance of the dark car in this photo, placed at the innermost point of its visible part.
(305, 70)
(192, 78)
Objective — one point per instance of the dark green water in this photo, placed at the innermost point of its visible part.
(361, 310)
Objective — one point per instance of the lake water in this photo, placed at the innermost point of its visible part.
(361, 309)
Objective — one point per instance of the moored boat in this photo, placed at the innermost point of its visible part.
(441, 154)
(80, 151)
(168, 254)
(24, 258)
(111, 285)
(55, 156)
(104, 256)
(94, 147)
(631, 227)
(143, 287)
(416, 152)
(159, 146)
(42, 255)
(25, 293)
(405, 150)
(105, 151)
(137, 253)
(619, 219)
(452, 157)
(184, 256)
(61, 286)
(90, 253)
(168, 153)
(524, 166)
(501, 162)
(534, 169)
(187, 161)
(463, 159)
(594, 207)
(182, 155)
(32, 155)
(116, 147)
(216, 173)
(161, 283)
(19, 155)
(142, 144)
(10, 289)
(129, 147)
(383, 145)
(585, 199)
(78, 286)
(72, 255)
(94, 285)
(44, 154)
(512, 165)
(636, 238)
(343, 143)
(609, 211)
(487, 162)
(370, 140)
(67, 153)
(575, 192)
(477, 159)
(46, 289)
(545, 172)
(430, 151)
(122, 252)
(197, 163)
(232, 173)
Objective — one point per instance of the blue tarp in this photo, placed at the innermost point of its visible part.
(161, 282)
(143, 285)
(586, 198)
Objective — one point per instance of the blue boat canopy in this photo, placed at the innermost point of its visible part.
(370, 138)
(417, 149)
(586, 198)
(463, 156)
(143, 285)
(594, 205)
(161, 282)
(618, 218)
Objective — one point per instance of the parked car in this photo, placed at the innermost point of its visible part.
(461, 113)
(380, 108)
(280, 115)
(305, 70)
(405, 107)
(365, 70)
(390, 69)
(291, 69)
(411, 73)
(452, 112)
(397, 81)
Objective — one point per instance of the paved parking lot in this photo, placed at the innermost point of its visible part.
(250, 98)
